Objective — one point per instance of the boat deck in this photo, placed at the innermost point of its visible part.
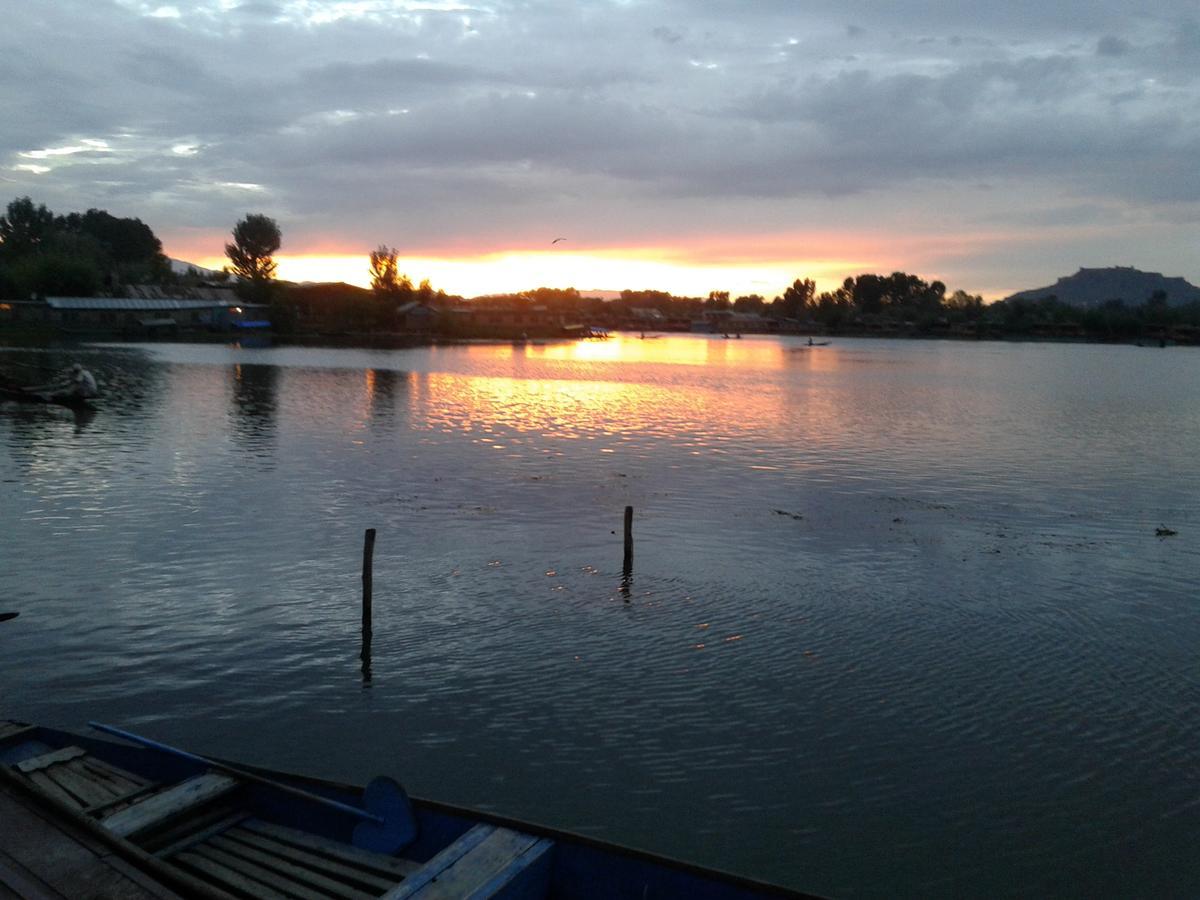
(45, 855)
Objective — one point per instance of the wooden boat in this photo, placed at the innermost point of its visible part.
(207, 829)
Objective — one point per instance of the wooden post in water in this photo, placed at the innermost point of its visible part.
(368, 562)
(627, 566)
(628, 537)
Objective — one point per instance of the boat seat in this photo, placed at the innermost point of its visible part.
(247, 856)
(155, 809)
(81, 781)
(487, 861)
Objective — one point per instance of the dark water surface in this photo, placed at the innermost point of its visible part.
(899, 623)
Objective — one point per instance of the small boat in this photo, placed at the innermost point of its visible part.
(70, 401)
(15, 393)
(206, 828)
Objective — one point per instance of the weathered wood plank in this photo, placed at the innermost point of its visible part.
(69, 780)
(440, 863)
(120, 778)
(49, 759)
(121, 801)
(224, 878)
(103, 786)
(62, 853)
(154, 839)
(387, 866)
(273, 880)
(200, 834)
(351, 875)
(526, 876)
(289, 870)
(18, 882)
(169, 802)
(43, 782)
(482, 866)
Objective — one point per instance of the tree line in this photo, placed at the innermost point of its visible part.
(81, 254)
(77, 254)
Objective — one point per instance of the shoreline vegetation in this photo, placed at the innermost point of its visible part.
(95, 275)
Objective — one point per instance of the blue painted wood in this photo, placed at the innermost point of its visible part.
(525, 878)
(397, 828)
(575, 868)
(440, 863)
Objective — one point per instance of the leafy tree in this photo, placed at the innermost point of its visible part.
(52, 274)
(256, 238)
(750, 303)
(717, 300)
(385, 275)
(25, 228)
(798, 300)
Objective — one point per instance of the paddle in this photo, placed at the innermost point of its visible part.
(388, 822)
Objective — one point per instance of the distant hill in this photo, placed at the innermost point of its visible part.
(1094, 287)
(180, 267)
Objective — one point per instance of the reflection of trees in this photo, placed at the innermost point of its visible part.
(382, 387)
(255, 400)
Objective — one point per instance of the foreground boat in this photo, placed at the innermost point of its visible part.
(208, 829)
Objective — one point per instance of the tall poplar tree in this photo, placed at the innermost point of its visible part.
(256, 239)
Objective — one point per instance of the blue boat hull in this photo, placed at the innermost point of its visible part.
(566, 865)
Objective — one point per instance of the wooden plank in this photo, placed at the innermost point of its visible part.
(79, 783)
(225, 879)
(101, 810)
(526, 876)
(49, 759)
(347, 874)
(201, 834)
(59, 850)
(169, 802)
(267, 878)
(440, 863)
(17, 881)
(384, 865)
(120, 777)
(184, 826)
(43, 782)
(84, 793)
(481, 866)
(298, 874)
(109, 788)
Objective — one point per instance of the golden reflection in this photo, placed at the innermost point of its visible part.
(711, 397)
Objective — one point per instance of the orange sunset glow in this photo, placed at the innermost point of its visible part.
(632, 269)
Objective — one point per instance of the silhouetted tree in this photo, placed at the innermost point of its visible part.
(798, 300)
(385, 275)
(256, 238)
(25, 228)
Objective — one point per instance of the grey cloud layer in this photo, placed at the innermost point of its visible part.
(460, 112)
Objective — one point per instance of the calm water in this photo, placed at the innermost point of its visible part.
(898, 622)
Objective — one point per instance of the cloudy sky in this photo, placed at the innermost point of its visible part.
(674, 144)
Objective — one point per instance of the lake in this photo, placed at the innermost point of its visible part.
(898, 621)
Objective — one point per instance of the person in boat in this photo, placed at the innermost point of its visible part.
(79, 384)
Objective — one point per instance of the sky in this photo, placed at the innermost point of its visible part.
(672, 144)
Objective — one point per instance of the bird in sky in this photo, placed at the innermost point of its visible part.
(556, 240)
